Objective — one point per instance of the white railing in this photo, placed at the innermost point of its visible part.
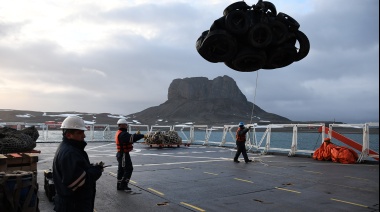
(105, 132)
(365, 151)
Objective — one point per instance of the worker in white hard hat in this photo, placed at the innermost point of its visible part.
(73, 175)
(124, 144)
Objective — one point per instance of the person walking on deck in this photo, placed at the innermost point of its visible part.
(240, 143)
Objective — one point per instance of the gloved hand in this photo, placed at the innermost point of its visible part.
(138, 132)
(145, 135)
(100, 165)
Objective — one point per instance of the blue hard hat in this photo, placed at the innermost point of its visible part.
(241, 124)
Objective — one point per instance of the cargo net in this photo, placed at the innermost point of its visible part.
(163, 138)
(12, 140)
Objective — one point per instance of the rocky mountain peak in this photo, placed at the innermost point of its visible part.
(203, 101)
(201, 88)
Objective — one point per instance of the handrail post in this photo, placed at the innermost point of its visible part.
(267, 145)
(293, 148)
(206, 136)
(191, 134)
(323, 132)
(365, 146)
(225, 129)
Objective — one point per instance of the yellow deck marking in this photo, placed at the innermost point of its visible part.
(176, 163)
(349, 203)
(313, 172)
(247, 181)
(157, 192)
(288, 190)
(210, 173)
(267, 173)
(115, 175)
(192, 206)
(356, 178)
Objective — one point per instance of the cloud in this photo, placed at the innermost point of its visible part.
(120, 57)
(94, 71)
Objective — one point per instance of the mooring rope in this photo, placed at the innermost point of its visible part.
(254, 96)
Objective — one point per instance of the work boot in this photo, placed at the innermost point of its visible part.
(236, 161)
(124, 186)
(118, 186)
(247, 161)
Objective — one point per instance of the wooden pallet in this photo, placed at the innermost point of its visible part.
(165, 145)
(18, 161)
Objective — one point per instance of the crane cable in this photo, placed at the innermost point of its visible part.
(254, 97)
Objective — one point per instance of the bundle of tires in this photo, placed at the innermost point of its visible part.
(12, 140)
(248, 38)
(163, 138)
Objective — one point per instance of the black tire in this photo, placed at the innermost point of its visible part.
(291, 39)
(292, 24)
(219, 24)
(280, 57)
(219, 46)
(199, 46)
(237, 22)
(304, 46)
(199, 42)
(230, 65)
(248, 60)
(270, 9)
(260, 36)
(240, 5)
(279, 31)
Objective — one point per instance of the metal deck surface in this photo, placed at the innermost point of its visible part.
(205, 178)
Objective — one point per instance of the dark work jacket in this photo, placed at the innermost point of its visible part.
(240, 133)
(123, 138)
(74, 177)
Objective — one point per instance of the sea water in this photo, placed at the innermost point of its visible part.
(305, 140)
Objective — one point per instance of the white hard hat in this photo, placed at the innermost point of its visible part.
(73, 122)
(122, 121)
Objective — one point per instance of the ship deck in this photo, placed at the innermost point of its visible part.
(205, 178)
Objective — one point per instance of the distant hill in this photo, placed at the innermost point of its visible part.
(196, 100)
(27, 116)
(202, 101)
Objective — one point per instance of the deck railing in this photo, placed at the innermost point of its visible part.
(201, 134)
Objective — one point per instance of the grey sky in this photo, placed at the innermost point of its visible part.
(121, 56)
